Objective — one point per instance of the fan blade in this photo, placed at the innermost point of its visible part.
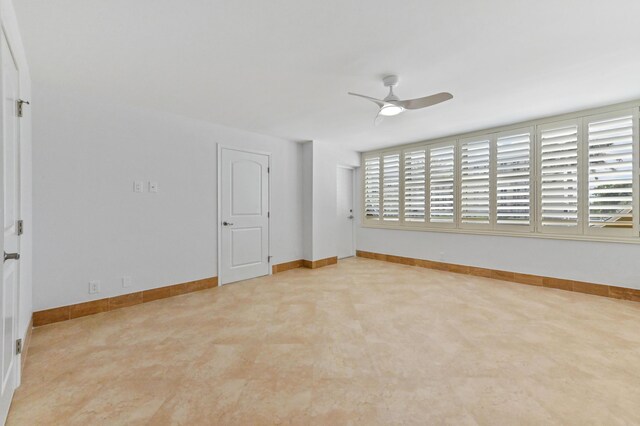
(377, 101)
(378, 119)
(424, 102)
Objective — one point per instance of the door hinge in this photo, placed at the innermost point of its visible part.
(268, 214)
(268, 169)
(18, 346)
(269, 259)
(20, 227)
(19, 104)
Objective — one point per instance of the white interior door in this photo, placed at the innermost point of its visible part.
(344, 205)
(11, 205)
(244, 215)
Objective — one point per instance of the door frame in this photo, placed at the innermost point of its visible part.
(219, 203)
(353, 204)
(5, 33)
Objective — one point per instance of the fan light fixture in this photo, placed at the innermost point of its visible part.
(390, 110)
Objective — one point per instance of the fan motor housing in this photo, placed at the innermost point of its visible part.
(390, 81)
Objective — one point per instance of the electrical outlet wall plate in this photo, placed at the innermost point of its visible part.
(94, 287)
(127, 281)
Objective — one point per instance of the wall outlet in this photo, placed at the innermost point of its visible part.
(153, 186)
(138, 186)
(127, 282)
(94, 287)
(441, 255)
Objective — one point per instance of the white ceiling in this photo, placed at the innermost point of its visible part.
(283, 67)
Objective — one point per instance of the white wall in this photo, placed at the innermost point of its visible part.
(595, 262)
(307, 199)
(11, 30)
(324, 161)
(90, 225)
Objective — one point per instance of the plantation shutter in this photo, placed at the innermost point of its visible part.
(559, 178)
(391, 187)
(414, 185)
(475, 183)
(442, 184)
(610, 171)
(372, 188)
(513, 179)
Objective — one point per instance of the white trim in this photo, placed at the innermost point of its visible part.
(219, 206)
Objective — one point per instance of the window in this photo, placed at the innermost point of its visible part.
(558, 177)
(475, 182)
(372, 188)
(513, 180)
(570, 177)
(610, 164)
(391, 187)
(415, 179)
(442, 184)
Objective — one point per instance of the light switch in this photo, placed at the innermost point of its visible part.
(153, 186)
(138, 186)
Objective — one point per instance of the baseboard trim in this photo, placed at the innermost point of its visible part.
(315, 264)
(25, 345)
(303, 263)
(536, 280)
(281, 267)
(64, 313)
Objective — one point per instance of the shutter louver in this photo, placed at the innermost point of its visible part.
(559, 178)
(513, 179)
(414, 185)
(372, 188)
(442, 184)
(475, 182)
(610, 163)
(391, 187)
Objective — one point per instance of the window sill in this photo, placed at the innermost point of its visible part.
(499, 233)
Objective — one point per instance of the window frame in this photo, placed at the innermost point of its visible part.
(577, 230)
(512, 227)
(586, 229)
(416, 224)
(363, 203)
(535, 230)
(400, 218)
(456, 182)
(490, 138)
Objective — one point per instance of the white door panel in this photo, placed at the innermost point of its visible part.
(344, 212)
(244, 208)
(10, 188)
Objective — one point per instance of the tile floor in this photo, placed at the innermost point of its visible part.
(364, 342)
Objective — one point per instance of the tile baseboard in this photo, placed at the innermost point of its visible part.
(516, 277)
(64, 313)
(303, 263)
(281, 267)
(314, 264)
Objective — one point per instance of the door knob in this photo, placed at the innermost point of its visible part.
(8, 256)
(225, 223)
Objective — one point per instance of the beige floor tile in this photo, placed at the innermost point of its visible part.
(363, 343)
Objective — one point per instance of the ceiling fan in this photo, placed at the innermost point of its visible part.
(392, 105)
